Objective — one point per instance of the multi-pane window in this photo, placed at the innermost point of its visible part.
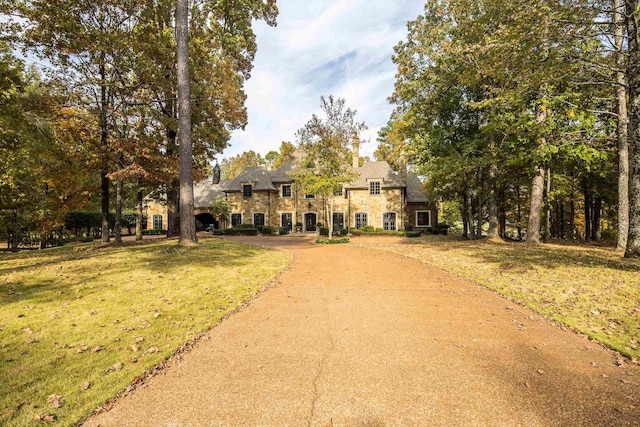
(339, 191)
(258, 220)
(338, 221)
(389, 221)
(361, 219)
(157, 222)
(374, 187)
(286, 191)
(423, 219)
(309, 196)
(246, 190)
(286, 220)
(236, 219)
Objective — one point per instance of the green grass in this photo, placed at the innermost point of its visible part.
(592, 290)
(85, 322)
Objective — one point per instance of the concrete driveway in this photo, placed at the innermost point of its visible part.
(356, 337)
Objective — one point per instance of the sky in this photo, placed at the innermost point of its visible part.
(320, 48)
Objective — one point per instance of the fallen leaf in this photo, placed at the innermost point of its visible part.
(625, 381)
(540, 371)
(54, 400)
(97, 349)
(85, 385)
(47, 418)
(27, 330)
(117, 366)
(619, 361)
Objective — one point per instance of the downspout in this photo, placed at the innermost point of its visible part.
(269, 206)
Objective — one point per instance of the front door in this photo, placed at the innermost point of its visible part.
(310, 220)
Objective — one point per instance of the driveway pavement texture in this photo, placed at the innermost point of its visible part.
(350, 336)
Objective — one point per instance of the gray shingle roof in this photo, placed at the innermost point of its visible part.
(205, 192)
(266, 180)
(415, 190)
(376, 170)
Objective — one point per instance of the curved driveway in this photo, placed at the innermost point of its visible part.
(356, 337)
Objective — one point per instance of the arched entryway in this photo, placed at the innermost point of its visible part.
(310, 220)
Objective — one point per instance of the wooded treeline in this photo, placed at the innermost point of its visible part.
(518, 112)
(98, 113)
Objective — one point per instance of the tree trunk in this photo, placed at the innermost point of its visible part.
(623, 146)
(572, 218)
(493, 232)
(185, 145)
(519, 214)
(16, 228)
(537, 184)
(587, 211)
(104, 143)
(547, 234)
(464, 211)
(117, 227)
(595, 220)
(139, 216)
(535, 211)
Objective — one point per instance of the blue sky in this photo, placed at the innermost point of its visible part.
(322, 47)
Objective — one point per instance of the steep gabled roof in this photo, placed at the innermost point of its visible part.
(376, 171)
(258, 175)
(415, 190)
(205, 192)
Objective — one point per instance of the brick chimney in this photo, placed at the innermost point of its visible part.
(356, 150)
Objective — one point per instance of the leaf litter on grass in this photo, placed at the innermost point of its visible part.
(83, 308)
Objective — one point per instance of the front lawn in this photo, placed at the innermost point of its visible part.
(593, 290)
(80, 324)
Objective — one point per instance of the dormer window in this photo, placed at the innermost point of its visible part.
(247, 190)
(286, 191)
(374, 187)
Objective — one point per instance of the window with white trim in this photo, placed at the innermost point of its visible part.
(309, 196)
(157, 222)
(423, 218)
(374, 188)
(361, 219)
(286, 191)
(389, 221)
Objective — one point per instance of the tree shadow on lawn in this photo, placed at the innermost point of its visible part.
(522, 256)
(160, 259)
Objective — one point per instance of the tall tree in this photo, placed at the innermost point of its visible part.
(187, 220)
(325, 143)
(633, 77)
(233, 166)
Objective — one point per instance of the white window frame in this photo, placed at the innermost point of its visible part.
(428, 216)
(290, 191)
(309, 196)
(158, 218)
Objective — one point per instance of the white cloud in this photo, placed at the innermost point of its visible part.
(322, 47)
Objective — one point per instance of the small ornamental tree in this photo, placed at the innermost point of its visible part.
(220, 208)
(323, 168)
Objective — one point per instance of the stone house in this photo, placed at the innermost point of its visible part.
(378, 197)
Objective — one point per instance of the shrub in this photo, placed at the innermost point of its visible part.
(218, 232)
(244, 226)
(319, 224)
(379, 230)
(154, 232)
(356, 232)
(241, 231)
(283, 230)
(324, 231)
(343, 231)
(368, 229)
(412, 233)
(86, 239)
(408, 227)
(325, 241)
(266, 230)
(442, 228)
